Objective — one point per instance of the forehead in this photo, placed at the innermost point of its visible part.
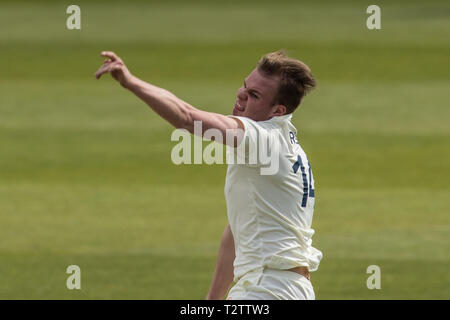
(261, 82)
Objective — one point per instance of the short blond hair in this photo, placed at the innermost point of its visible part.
(296, 79)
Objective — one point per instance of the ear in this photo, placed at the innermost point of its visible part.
(278, 110)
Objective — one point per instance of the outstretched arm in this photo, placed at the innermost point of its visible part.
(176, 111)
(223, 274)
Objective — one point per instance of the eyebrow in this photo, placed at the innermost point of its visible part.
(252, 90)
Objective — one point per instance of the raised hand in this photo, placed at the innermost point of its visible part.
(116, 67)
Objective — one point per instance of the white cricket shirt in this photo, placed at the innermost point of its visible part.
(270, 215)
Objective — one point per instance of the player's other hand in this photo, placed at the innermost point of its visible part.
(114, 65)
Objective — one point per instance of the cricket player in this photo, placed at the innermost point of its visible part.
(266, 248)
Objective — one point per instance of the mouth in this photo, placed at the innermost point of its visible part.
(238, 107)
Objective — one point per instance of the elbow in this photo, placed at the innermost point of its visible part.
(186, 119)
(177, 112)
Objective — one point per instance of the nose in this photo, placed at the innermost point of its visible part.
(242, 95)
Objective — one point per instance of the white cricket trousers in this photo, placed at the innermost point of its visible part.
(272, 284)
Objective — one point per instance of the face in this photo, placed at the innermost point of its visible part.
(255, 99)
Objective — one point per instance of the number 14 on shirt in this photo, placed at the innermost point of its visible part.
(308, 188)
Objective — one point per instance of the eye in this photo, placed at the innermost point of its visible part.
(253, 95)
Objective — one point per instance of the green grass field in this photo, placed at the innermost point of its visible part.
(85, 170)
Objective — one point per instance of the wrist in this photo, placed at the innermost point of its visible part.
(128, 82)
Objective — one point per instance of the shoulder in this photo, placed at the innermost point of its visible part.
(250, 124)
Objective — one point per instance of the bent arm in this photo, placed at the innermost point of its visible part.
(223, 274)
(176, 111)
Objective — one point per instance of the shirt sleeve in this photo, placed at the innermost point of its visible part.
(256, 143)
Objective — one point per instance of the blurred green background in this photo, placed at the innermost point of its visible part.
(85, 170)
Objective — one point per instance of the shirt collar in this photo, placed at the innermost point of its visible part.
(283, 118)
